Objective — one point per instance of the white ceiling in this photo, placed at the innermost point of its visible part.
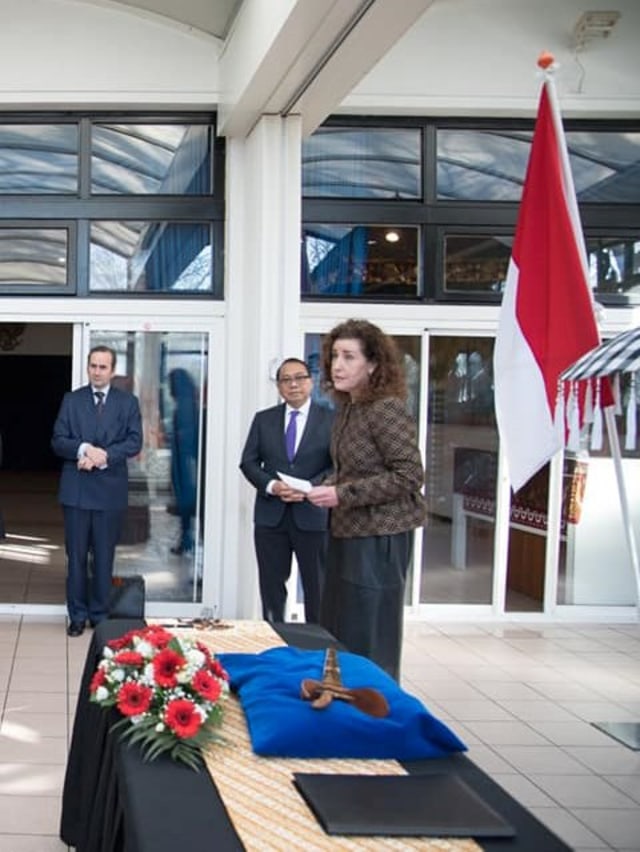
(211, 16)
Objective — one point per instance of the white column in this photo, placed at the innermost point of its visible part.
(263, 298)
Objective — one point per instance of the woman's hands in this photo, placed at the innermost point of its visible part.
(324, 496)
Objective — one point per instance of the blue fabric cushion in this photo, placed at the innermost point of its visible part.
(282, 724)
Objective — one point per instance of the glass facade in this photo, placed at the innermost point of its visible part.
(33, 258)
(362, 162)
(476, 263)
(359, 260)
(38, 159)
(151, 159)
(151, 257)
(134, 205)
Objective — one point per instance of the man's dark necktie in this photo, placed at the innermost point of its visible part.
(99, 395)
(290, 435)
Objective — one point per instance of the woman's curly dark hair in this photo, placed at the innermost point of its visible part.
(388, 377)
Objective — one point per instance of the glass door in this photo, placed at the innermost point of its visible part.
(461, 459)
(164, 536)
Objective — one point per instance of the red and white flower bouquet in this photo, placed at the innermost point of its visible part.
(170, 690)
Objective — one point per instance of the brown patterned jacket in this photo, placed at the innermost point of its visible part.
(378, 470)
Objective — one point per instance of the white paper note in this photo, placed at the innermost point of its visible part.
(293, 482)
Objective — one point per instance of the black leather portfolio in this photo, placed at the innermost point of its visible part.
(409, 805)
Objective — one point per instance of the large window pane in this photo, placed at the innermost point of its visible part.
(614, 265)
(490, 165)
(156, 257)
(359, 260)
(151, 159)
(38, 158)
(361, 162)
(476, 263)
(33, 257)
(478, 165)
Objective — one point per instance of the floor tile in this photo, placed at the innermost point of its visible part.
(582, 791)
(38, 750)
(615, 760)
(619, 828)
(34, 724)
(28, 779)
(36, 702)
(31, 843)
(577, 733)
(568, 827)
(542, 759)
(629, 784)
(506, 733)
(32, 814)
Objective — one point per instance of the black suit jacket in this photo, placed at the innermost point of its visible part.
(265, 453)
(118, 430)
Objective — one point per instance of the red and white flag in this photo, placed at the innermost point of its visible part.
(547, 318)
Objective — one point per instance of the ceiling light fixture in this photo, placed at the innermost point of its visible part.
(592, 25)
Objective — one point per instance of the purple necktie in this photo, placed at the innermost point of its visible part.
(290, 435)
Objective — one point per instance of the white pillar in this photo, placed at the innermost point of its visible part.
(262, 290)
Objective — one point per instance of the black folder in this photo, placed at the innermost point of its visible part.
(400, 805)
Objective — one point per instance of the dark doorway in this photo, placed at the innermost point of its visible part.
(32, 389)
(34, 376)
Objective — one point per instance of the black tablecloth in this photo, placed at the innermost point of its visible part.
(115, 802)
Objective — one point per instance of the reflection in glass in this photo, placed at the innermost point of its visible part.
(163, 534)
(461, 459)
(614, 265)
(480, 165)
(33, 256)
(38, 159)
(490, 165)
(359, 260)
(362, 162)
(151, 257)
(151, 159)
(476, 263)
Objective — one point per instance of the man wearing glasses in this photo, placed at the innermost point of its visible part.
(292, 438)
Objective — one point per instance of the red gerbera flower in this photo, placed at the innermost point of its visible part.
(206, 685)
(122, 641)
(218, 671)
(204, 650)
(165, 665)
(157, 636)
(183, 718)
(128, 658)
(134, 699)
(97, 680)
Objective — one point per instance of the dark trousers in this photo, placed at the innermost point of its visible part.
(95, 532)
(363, 600)
(274, 549)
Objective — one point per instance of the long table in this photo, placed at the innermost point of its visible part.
(114, 801)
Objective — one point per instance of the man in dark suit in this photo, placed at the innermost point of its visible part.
(284, 522)
(97, 429)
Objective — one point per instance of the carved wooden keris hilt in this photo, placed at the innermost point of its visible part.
(322, 692)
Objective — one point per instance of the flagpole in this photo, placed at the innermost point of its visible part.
(614, 443)
(546, 62)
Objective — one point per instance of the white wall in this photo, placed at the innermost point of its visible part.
(478, 57)
(63, 53)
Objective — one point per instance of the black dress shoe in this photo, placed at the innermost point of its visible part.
(76, 628)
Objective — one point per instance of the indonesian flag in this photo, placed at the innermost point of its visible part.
(547, 318)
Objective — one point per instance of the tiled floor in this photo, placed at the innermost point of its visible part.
(522, 696)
